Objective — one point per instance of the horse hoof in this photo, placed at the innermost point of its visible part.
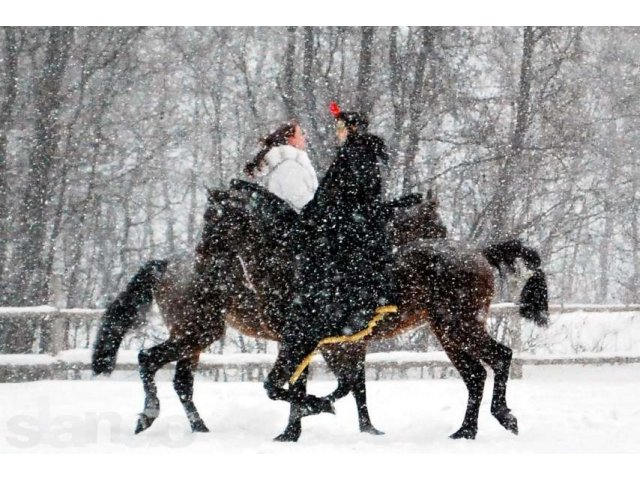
(370, 429)
(199, 427)
(326, 406)
(144, 422)
(315, 405)
(465, 432)
(510, 423)
(507, 420)
(287, 437)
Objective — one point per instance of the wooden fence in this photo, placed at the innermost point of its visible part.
(59, 333)
(53, 327)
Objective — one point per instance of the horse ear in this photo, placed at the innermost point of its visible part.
(432, 196)
(216, 196)
(210, 194)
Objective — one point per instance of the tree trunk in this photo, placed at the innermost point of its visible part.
(634, 285)
(308, 90)
(417, 106)
(171, 220)
(193, 180)
(604, 250)
(10, 82)
(148, 236)
(364, 100)
(287, 87)
(31, 285)
(504, 194)
(125, 246)
(395, 82)
(77, 246)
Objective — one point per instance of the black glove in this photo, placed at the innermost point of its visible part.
(406, 201)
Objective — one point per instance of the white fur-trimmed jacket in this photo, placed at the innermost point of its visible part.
(289, 175)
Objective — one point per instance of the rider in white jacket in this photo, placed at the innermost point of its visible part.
(285, 167)
(290, 175)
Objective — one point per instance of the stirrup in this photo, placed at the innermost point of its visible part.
(379, 314)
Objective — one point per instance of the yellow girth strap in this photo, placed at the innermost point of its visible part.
(379, 314)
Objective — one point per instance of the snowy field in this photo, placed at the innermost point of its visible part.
(587, 415)
(568, 409)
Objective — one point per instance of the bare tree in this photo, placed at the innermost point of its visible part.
(364, 100)
(9, 82)
(288, 75)
(500, 205)
(417, 101)
(31, 284)
(528, 132)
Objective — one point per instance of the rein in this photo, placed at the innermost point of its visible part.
(247, 277)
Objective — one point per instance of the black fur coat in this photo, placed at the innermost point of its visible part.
(346, 253)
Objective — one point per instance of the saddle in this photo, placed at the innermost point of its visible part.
(285, 223)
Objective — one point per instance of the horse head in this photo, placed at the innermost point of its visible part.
(431, 222)
(239, 248)
(221, 227)
(420, 222)
(232, 226)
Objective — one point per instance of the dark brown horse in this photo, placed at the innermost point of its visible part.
(446, 285)
(197, 296)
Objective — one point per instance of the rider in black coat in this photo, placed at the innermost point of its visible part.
(343, 257)
(347, 247)
(348, 216)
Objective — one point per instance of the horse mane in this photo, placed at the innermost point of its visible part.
(421, 221)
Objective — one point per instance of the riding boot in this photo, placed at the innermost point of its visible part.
(389, 294)
(381, 295)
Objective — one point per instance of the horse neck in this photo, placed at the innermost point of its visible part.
(430, 222)
(423, 224)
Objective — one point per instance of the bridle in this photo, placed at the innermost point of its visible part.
(247, 282)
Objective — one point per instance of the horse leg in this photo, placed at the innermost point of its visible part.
(348, 365)
(359, 390)
(479, 344)
(342, 390)
(291, 354)
(472, 372)
(294, 427)
(498, 357)
(150, 362)
(474, 375)
(282, 370)
(183, 385)
(335, 358)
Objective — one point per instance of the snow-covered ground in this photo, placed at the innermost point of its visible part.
(561, 409)
(567, 409)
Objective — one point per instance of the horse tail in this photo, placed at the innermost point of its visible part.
(123, 313)
(534, 303)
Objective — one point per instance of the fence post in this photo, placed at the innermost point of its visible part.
(515, 328)
(58, 341)
(53, 333)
